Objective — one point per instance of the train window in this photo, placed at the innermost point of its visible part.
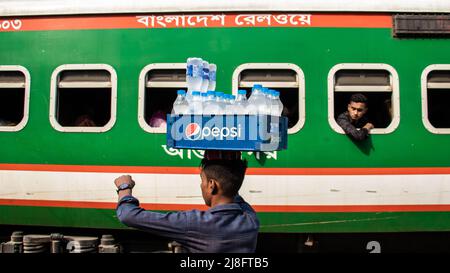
(83, 98)
(158, 85)
(286, 78)
(14, 97)
(378, 82)
(436, 98)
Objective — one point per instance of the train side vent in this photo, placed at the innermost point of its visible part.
(421, 25)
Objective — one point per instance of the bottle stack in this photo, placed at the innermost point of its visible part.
(202, 99)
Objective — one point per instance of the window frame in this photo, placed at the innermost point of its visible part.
(424, 93)
(394, 79)
(53, 89)
(300, 80)
(26, 102)
(142, 87)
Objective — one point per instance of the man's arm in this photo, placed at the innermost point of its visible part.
(129, 212)
(350, 129)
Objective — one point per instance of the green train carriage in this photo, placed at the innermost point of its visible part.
(122, 63)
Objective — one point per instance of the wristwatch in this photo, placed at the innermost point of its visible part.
(124, 186)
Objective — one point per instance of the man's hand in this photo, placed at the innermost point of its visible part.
(369, 126)
(124, 179)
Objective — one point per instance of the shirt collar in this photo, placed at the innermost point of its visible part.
(225, 207)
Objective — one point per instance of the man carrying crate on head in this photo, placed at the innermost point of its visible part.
(229, 225)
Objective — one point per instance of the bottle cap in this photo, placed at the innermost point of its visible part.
(242, 92)
(195, 93)
(181, 92)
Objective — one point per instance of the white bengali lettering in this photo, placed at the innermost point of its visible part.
(143, 19)
(245, 18)
(220, 18)
(10, 24)
(267, 19)
(180, 20)
(281, 19)
(173, 152)
(264, 18)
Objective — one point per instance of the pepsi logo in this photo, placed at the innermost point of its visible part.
(193, 131)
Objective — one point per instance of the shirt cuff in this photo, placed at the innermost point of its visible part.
(128, 199)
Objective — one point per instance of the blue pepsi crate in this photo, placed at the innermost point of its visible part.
(227, 132)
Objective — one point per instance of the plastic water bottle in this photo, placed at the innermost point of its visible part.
(267, 102)
(203, 96)
(180, 106)
(195, 105)
(193, 76)
(210, 106)
(272, 102)
(229, 104)
(241, 103)
(205, 77)
(220, 103)
(257, 102)
(212, 77)
(279, 109)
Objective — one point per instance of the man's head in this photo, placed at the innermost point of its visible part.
(221, 178)
(357, 107)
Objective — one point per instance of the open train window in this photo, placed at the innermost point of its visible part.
(158, 85)
(378, 82)
(436, 98)
(14, 97)
(286, 78)
(83, 98)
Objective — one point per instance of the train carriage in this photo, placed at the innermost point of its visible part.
(115, 64)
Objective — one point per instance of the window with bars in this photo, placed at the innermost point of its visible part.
(436, 98)
(158, 85)
(83, 98)
(14, 96)
(378, 82)
(286, 78)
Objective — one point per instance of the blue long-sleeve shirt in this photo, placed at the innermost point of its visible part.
(224, 228)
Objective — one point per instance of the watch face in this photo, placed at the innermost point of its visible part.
(124, 186)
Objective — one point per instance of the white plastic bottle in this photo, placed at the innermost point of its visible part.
(241, 103)
(180, 106)
(193, 76)
(257, 102)
(205, 77)
(210, 106)
(229, 104)
(212, 77)
(220, 103)
(272, 102)
(195, 105)
(277, 99)
(203, 96)
(266, 110)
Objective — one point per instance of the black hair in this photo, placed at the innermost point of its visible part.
(228, 173)
(359, 98)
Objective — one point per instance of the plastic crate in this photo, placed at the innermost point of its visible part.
(227, 132)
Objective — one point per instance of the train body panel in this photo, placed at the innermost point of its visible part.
(323, 182)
